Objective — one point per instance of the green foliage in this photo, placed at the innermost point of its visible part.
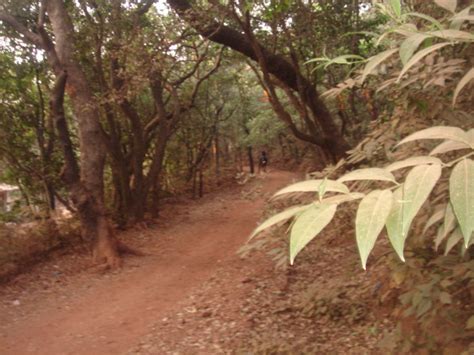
(425, 202)
(314, 185)
(407, 201)
(372, 213)
(29, 155)
(447, 31)
(461, 191)
(395, 210)
(309, 224)
(375, 61)
(280, 217)
(418, 38)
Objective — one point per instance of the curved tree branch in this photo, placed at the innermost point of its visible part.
(276, 65)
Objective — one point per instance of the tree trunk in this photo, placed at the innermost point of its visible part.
(282, 146)
(250, 157)
(240, 160)
(50, 193)
(88, 193)
(153, 179)
(121, 180)
(201, 183)
(194, 177)
(217, 158)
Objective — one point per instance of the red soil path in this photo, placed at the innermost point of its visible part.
(88, 313)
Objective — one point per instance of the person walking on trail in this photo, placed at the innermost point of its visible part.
(263, 162)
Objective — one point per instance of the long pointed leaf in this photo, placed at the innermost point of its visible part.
(308, 225)
(412, 161)
(418, 185)
(394, 223)
(449, 5)
(462, 83)
(438, 132)
(368, 174)
(447, 227)
(375, 61)
(338, 199)
(313, 186)
(370, 219)
(449, 146)
(396, 7)
(426, 17)
(458, 19)
(407, 201)
(410, 45)
(461, 193)
(452, 35)
(419, 55)
(470, 137)
(279, 217)
(453, 239)
(435, 218)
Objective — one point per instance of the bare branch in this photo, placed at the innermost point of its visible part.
(205, 76)
(185, 77)
(280, 110)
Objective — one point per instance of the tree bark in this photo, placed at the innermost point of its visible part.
(89, 192)
(95, 226)
(250, 157)
(153, 179)
(201, 183)
(217, 157)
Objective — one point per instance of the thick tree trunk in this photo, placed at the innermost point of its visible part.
(86, 185)
(95, 226)
(88, 193)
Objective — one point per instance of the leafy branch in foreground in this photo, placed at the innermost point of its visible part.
(396, 206)
(415, 43)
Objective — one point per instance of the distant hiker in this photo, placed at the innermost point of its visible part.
(263, 162)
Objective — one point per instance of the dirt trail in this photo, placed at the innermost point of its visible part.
(108, 314)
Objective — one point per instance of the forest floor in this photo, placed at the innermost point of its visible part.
(194, 294)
